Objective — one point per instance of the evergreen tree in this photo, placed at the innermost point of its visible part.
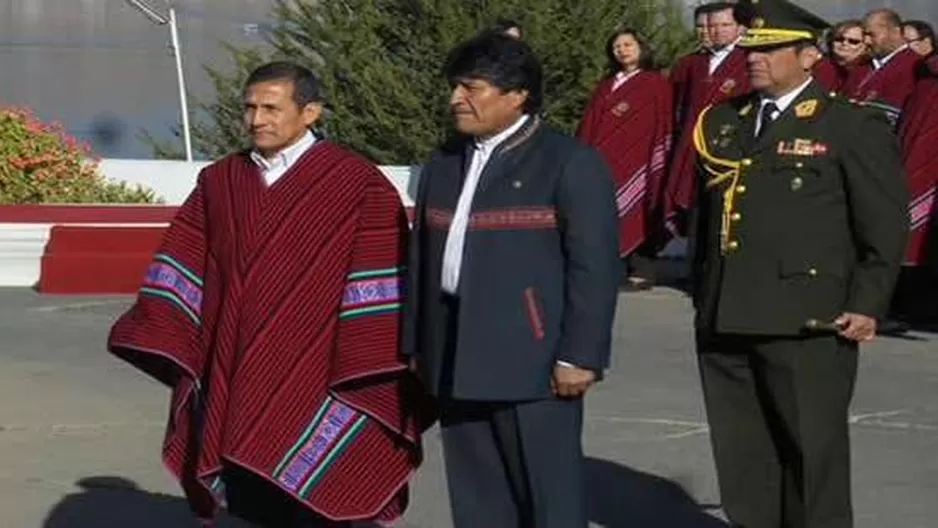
(380, 62)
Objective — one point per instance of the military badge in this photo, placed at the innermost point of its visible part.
(806, 108)
(620, 109)
(728, 85)
(726, 130)
(801, 147)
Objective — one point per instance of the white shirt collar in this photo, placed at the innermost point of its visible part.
(728, 49)
(783, 102)
(491, 143)
(286, 157)
(621, 77)
(879, 63)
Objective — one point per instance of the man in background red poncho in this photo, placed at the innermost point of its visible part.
(685, 66)
(888, 84)
(718, 77)
(271, 309)
(919, 134)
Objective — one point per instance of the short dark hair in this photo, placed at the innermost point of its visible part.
(712, 7)
(924, 29)
(506, 63)
(744, 13)
(702, 9)
(306, 86)
(646, 59)
(889, 15)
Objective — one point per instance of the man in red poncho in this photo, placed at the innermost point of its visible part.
(685, 66)
(719, 76)
(918, 132)
(890, 81)
(271, 309)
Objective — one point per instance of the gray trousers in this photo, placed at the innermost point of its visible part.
(514, 465)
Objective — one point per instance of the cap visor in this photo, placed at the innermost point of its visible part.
(774, 38)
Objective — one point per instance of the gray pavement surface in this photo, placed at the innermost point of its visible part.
(80, 431)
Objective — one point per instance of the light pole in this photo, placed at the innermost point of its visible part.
(154, 16)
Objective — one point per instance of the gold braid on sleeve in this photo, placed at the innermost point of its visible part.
(721, 170)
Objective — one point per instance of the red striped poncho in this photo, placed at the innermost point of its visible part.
(919, 134)
(273, 313)
(631, 127)
(731, 79)
(681, 77)
(841, 78)
(889, 87)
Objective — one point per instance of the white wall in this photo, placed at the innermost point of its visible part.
(174, 180)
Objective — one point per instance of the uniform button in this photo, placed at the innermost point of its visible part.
(736, 217)
(741, 189)
(812, 272)
(733, 245)
(746, 162)
(799, 165)
(796, 183)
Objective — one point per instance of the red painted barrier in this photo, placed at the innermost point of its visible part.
(95, 259)
(87, 214)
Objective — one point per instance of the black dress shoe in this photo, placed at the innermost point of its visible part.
(634, 284)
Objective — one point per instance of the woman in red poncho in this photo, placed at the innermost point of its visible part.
(849, 60)
(629, 120)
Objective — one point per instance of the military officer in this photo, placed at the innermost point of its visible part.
(802, 225)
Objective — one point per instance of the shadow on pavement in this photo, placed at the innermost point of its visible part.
(115, 502)
(620, 497)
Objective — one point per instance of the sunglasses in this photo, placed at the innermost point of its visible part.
(845, 40)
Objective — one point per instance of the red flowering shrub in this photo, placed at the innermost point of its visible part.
(39, 163)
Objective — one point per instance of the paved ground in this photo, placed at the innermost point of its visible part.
(79, 431)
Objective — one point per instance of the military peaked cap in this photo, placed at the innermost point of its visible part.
(776, 23)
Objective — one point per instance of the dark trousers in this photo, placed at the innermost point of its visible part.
(514, 465)
(642, 265)
(777, 409)
(914, 296)
(259, 502)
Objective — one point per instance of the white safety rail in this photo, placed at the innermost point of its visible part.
(21, 249)
(22, 244)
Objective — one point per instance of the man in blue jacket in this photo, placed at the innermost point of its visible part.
(514, 271)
